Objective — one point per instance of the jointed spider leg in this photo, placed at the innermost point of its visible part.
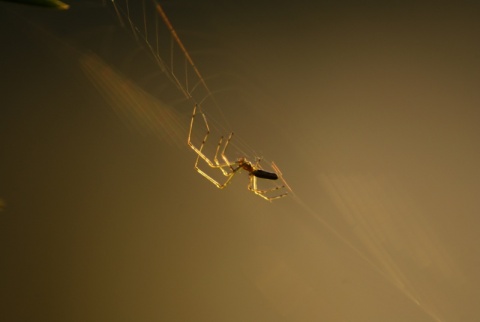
(201, 155)
(224, 156)
(227, 163)
(262, 193)
(280, 176)
(194, 148)
(212, 180)
(259, 173)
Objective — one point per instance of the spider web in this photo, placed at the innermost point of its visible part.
(152, 28)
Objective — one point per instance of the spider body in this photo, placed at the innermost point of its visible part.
(228, 168)
(253, 171)
(265, 174)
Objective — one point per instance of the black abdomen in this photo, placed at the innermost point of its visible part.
(265, 175)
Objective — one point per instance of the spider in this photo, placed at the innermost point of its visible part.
(229, 169)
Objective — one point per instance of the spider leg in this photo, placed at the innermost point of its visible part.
(215, 159)
(252, 186)
(212, 180)
(200, 155)
(224, 156)
(194, 148)
(263, 193)
(280, 175)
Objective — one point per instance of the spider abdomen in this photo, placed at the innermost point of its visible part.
(265, 175)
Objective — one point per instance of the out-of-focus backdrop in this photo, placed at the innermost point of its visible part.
(370, 110)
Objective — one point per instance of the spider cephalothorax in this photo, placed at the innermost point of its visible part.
(229, 169)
